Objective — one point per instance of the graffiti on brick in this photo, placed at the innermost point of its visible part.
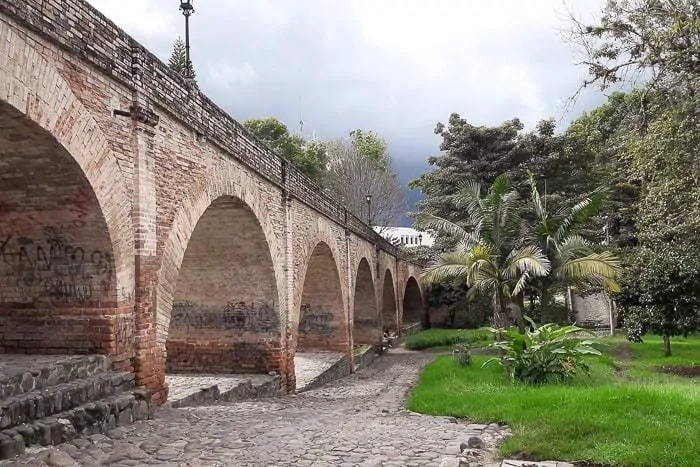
(316, 320)
(50, 267)
(244, 316)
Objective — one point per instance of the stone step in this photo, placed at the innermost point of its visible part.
(21, 374)
(40, 403)
(87, 419)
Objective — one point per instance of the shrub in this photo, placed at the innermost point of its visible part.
(547, 353)
(462, 354)
(436, 337)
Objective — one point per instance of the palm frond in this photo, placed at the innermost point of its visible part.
(537, 200)
(573, 246)
(529, 259)
(581, 213)
(595, 268)
(449, 228)
(448, 267)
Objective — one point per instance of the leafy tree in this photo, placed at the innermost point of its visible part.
(178, 58)
(662, 285)
(371, 146)
(491, 257)
(663, 290)
(308, 156)
(481, 154)
(659, 39)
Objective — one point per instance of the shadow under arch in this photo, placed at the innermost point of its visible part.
(413, 305)
(366, 328)
(389, 308)
(225, 314)
(322, 323)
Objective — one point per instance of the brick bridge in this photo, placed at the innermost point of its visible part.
(138, 220)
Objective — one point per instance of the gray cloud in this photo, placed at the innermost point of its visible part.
(395, 66)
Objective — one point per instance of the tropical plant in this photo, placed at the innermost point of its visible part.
(572, 259)
(542, 354)
(492, 256)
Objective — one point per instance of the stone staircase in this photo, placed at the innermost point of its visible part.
(49, 400)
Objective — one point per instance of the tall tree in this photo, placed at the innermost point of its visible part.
(372, 147)
(573, 260)
(307, 156)
(656, 40)
(355, 172)
(178, 58)
(491, 257)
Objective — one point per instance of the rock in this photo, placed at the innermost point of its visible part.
(166, 454)
(475, 443)
(58, 458)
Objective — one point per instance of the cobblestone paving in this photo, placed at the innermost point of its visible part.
(308, 365)
(183, 386)
(358, 420)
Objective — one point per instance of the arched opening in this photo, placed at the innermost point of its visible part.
(413, 309)
(225, 313)
(389, 308)
(322, 324)
(58, 281)
(366, 328)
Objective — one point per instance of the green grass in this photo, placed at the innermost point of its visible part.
(625, 414)
(437, 337)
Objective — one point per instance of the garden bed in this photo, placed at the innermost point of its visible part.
(633, 416)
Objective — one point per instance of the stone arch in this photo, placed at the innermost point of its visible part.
(413, 305)
(389, 303)
(220, 286)
(366, 327)
(322, 321)
(63, 197)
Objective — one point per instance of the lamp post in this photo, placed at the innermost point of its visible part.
(187, 10)
(369, 209)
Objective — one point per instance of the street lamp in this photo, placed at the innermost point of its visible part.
(369, 209)
(187, 10)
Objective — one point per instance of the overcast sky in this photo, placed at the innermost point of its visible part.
(393, 66)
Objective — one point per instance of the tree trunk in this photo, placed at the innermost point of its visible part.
(517, 313)
(500, 310)
(667, 345)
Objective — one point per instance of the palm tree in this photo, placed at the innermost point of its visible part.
(573, 260)
(491, 255)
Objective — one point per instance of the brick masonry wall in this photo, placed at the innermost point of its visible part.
(67, 69)
(66, 281)
(389, 307)
(226, 301)
(322, 323)
(366, 327)
(413, 308)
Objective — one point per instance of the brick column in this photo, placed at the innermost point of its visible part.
(149, 359)
(289, 377)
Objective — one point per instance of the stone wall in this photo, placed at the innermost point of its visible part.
(592, 311)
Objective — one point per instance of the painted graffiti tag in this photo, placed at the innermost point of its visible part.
(51, 267)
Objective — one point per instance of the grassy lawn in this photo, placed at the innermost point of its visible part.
(625, 414)
(437, 337)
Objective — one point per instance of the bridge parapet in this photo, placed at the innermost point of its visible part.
(82, 30)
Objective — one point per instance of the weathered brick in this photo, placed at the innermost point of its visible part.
(169, 238)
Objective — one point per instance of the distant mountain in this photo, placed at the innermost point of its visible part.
(409, 170)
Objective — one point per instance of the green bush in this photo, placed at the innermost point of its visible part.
(437, 337)
(547, 353)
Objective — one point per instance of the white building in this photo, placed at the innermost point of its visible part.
(406, 236)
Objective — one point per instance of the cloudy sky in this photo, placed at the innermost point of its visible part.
(393, 66)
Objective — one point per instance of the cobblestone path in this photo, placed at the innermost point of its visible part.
(358, 420)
